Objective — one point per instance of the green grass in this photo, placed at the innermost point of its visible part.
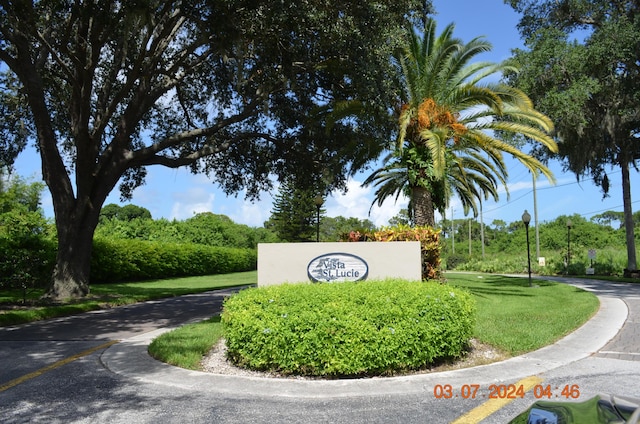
(109, 295)
(517, 318)
(511, 316)
(187, 346)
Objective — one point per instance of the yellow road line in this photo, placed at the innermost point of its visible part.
(492, 405)
(53, 366)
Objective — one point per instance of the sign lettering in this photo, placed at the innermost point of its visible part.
(337, 267)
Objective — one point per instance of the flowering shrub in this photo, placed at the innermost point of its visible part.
(357, 236)
(347, 329)
(429, 244)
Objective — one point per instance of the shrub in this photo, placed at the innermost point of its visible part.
(454, 260)
(26, 267)
(27, 252)
(428, 237)
(498, 264)
(347, 329)
(132, 260)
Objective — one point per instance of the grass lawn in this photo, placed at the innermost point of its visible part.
(511, 316)
(102, 296)
(517, 318)
(185, 347)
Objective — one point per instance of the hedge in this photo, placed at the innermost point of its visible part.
(347, 329)
(134, 260)
(26, 266)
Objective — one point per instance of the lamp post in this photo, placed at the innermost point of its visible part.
(526, 218)
(569, 224)
(318, 202)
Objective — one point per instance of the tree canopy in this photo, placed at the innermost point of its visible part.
(581, 68)
(126, 213)
(240, 90)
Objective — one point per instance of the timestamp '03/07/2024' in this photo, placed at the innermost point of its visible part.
(505, 391)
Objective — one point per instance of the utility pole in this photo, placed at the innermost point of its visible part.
(481, 230)
(469, 236)
(535, 216)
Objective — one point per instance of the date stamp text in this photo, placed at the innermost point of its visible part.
(505, 391)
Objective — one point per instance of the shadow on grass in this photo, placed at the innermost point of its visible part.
(497, 285)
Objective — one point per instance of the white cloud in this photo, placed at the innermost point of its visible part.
(191, 202)
(252, 214)
(357, 201)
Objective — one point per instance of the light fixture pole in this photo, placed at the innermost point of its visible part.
(318, 201)
(526, 218)
(453, 234)
(569, 224)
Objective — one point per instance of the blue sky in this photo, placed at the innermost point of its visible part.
(179, 194)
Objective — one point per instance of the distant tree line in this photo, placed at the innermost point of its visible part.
(564, 248)
(135, 222)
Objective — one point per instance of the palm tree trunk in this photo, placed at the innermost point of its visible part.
(423, 210)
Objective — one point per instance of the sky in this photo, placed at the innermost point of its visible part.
(178, 194)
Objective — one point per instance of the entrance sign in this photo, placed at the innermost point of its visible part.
(337, 267)
(337, 262)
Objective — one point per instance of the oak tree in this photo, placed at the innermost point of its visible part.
(581, 67)
(238, 89)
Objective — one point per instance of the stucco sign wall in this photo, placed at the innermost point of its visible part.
(337, 262)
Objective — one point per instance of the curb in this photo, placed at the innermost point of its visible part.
(129, 358)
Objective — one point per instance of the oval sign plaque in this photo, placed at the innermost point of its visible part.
(337, 268)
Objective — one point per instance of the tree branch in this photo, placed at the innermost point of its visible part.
(206, 150)
(184, 136)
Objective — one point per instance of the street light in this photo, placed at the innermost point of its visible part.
(569, 223)
(526, 218)
(318, 201)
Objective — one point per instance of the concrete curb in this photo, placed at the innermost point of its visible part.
(130, 359)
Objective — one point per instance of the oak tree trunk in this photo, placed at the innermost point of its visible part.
(70, 277)
(76, 228)
(628, 217)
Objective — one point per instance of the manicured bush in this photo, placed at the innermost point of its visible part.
(347, 329)
(133, 260)
(26, 266)
(27, 250)
(429, 239)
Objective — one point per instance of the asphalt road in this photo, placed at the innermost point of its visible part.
(69, 371)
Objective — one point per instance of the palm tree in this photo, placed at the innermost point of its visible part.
(449, 123)
(469, 175)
